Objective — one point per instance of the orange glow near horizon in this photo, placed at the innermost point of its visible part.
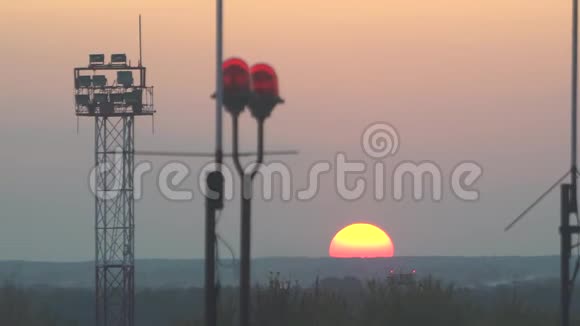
(361, 240)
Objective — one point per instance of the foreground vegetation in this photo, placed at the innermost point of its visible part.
(345, 302)
(349, 302)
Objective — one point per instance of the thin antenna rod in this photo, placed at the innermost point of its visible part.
(537, 201)
(140, 44)
(574, 93)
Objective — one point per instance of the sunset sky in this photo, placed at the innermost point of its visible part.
(484, 81)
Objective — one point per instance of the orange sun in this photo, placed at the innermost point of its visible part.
(361, 240)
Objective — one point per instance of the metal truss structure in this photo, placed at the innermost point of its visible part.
(114, 221)
(114, 106)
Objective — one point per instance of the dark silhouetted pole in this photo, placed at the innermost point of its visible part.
(246, 194)
(569, 199)
(261, 100)
(214, 202)
(214, 189)
(565, 238)
(574, 145)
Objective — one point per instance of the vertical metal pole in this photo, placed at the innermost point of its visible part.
(574, 115)
(104, 226)
(574, 146)
(219, 82)
(140, 46)
(211, 204)
(565, 255)
(245, 245)
(246, 230)
(569, 200)
(260, 141)
(210, 288)
(130, 243)
(97, 239)
(245, 181)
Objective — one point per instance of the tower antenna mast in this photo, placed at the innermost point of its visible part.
(113, 93)
(140, 44)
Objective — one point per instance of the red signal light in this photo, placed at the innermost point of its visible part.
(236, 80)
(236, 76)
(264, 80)
(265, 94)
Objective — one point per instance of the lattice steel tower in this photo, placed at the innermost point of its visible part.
(109, 93)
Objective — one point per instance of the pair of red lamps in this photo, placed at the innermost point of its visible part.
(255, 87)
